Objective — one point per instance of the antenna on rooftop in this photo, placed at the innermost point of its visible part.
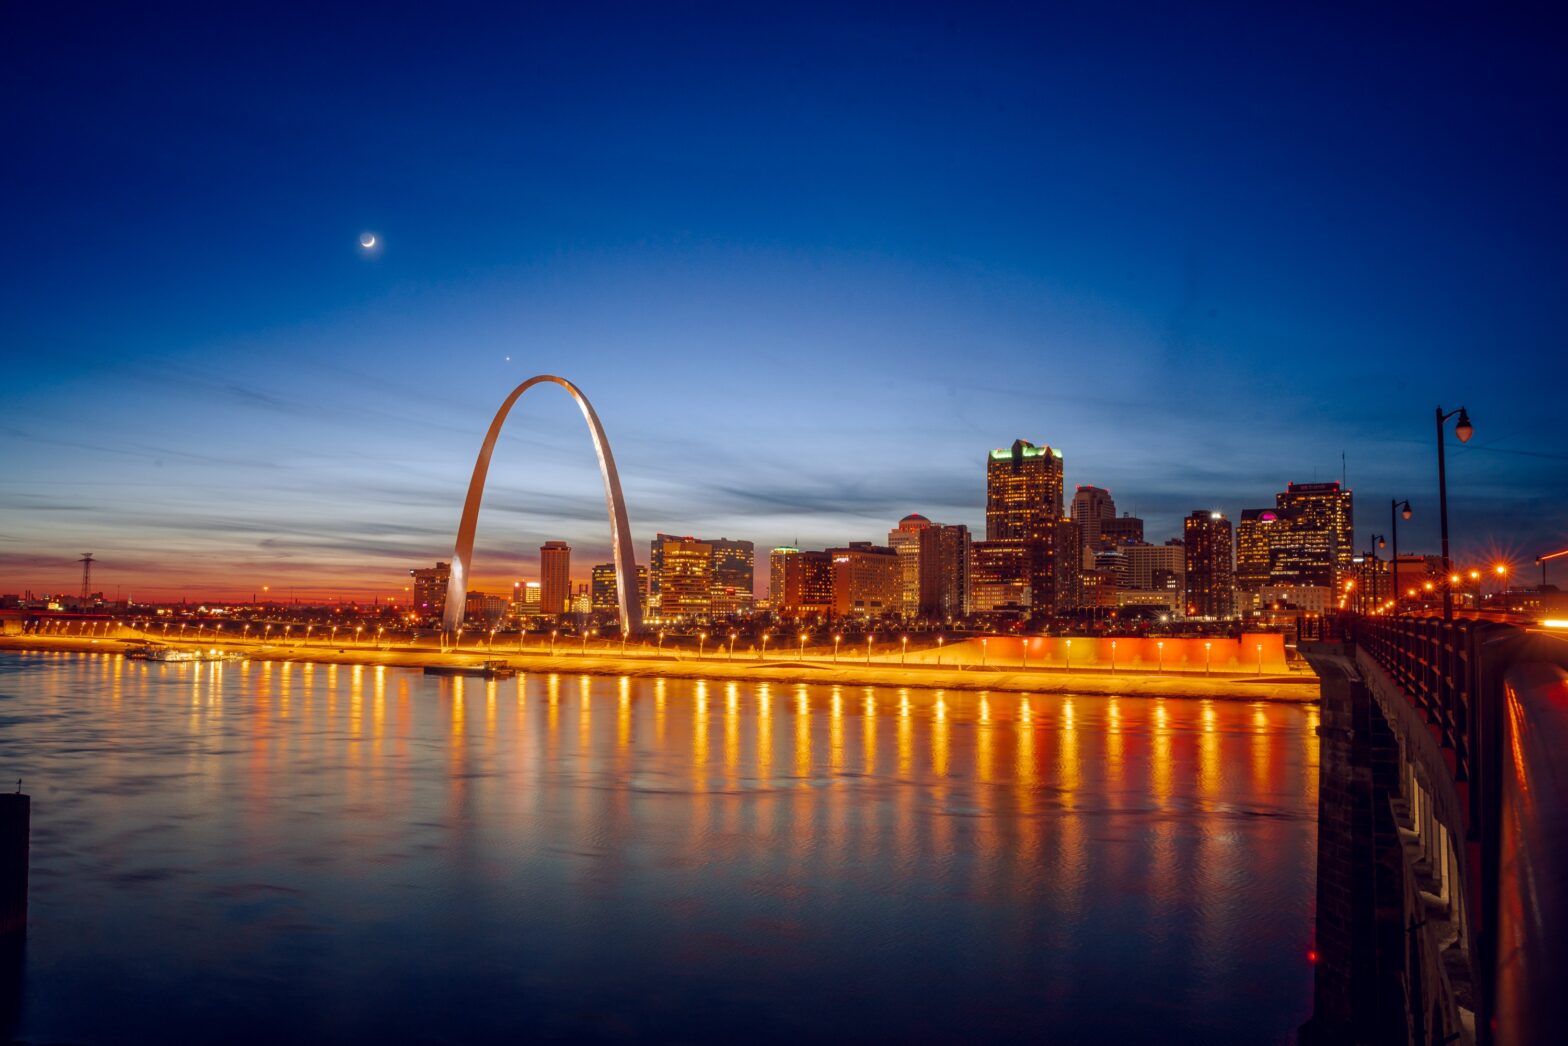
(87, 575)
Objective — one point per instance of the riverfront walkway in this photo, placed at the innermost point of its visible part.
(1300, 687)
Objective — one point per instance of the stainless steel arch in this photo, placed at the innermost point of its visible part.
(620, 529)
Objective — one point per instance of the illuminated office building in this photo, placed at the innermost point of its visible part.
(734, 577)
(1121, 530)
(656, 567)
(606, 591)
(867, 580)
(806, 584)
(999, 577)
(1259, 532)
(1322, 516)
(685, 579)
(429, 589)
(1210, 575)
(555, 577)
(1024, 504)
(1092, 506)
(1069, 565)
(776, 563)
(904, 539)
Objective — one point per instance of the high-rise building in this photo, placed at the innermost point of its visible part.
(806, 585)
(606, 590)
(685, 579)
(776, 562)
(555, 577)
(527, 599)
(1024, 503)
(1322, 517)
(867, 580)
(734, 577)
(1069, 565)
(429, 589)
(904, 539)
(1258, 533)
(1092, 506)
(943, 571)
(1210, 576)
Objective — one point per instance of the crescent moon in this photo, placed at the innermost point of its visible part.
(368, 240)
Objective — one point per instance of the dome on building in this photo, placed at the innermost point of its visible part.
(914, 521)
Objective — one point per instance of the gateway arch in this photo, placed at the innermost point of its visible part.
(620, 529)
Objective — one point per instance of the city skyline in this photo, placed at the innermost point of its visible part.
(804, 306)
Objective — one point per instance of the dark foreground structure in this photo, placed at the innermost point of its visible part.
(1442, 897)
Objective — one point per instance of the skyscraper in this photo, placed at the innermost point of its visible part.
(904, 539)
(1210, 576)
(1322, 516)
(867, 580)
(1092, 506)
(1023, 504)
(555, 577)
(776, 563)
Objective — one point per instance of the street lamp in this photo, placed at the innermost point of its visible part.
(556, 631)
(1501, 570)
(904, 653)
(1113, 657)
(836, 638)
(939, 641)
(1067, 659)
(361, 628)
(869, 637)
(1397, 508)
(732, 647)
(764, 651)
(803, 646)
(702, 639)
(984, 640)
(1206, 646)
(1159, 647)
(1464, 430)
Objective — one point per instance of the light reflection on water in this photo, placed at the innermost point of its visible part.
(267, 851)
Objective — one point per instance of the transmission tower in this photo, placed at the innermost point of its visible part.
(87, 576)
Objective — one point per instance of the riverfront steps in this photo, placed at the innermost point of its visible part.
(1294, 687)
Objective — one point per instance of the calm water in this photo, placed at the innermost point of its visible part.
(269, 852)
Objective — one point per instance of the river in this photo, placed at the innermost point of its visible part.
(292, 852)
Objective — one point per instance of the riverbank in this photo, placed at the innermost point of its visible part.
(1294, 687)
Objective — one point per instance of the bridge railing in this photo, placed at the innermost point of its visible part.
(1496, 700)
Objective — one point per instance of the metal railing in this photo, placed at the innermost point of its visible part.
(1495, 698)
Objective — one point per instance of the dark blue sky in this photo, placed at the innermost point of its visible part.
(809, 265)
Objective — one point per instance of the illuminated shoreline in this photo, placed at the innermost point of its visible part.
(1098, 682)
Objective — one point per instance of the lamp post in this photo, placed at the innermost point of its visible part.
(1464, 430)
(903, 654)
(556, 631)
(1159, 647)
(984, 640)
(1396, 508)
(732, 646)
(1067, 658)
(803, 646)
(1113, 657)
(939, 641)
(836, 638)
(1369, 599)
(764, 651)
(702, 639)
(1206, 647)
(1501, 570)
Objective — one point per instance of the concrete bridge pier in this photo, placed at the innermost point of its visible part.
(1358, 990)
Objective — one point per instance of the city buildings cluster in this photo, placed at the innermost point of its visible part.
(1041, 558)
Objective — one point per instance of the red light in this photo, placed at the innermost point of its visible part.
(1312, 956)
